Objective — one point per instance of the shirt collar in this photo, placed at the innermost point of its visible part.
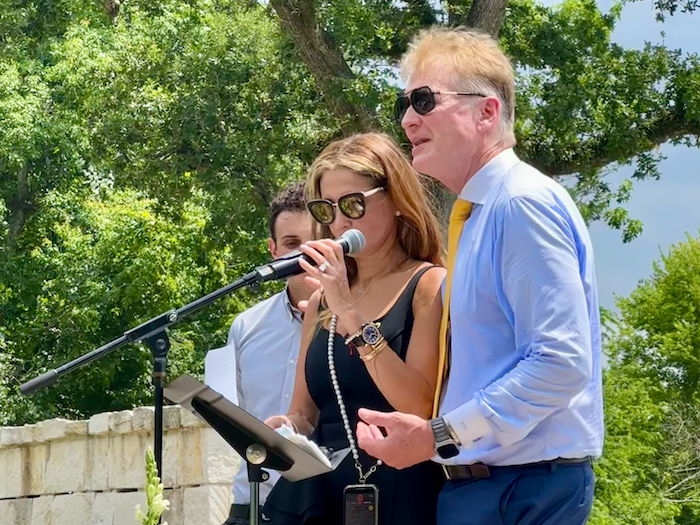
(293, 312)
(479, 184)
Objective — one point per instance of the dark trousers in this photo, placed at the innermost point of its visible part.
(520, 496)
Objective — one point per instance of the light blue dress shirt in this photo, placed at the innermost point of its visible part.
(524, 382)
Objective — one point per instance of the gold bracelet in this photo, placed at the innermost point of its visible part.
(377, 349)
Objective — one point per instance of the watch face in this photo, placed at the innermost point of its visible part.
(371, 334)
(448, 451)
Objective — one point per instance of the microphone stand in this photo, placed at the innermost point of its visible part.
(154, 333)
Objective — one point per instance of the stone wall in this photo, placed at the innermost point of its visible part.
(61, 472)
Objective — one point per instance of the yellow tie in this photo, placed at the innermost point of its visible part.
(460, 213)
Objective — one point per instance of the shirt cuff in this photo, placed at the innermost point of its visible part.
(468, 423)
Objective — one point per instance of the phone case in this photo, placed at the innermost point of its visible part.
(360, 505)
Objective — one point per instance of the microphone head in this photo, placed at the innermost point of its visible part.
(354, 240)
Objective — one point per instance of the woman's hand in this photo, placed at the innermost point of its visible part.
(276, 422)
(330, 275)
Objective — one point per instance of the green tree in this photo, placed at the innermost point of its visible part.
(650, 471)
(192, 113)
(628, 475)
(660, 323)
(138, 152)
(584, 107)
(92, 268)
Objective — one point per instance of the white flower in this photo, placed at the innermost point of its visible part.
(140, 516)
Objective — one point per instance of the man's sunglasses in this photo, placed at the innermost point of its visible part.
(352, 205)
(423, 101)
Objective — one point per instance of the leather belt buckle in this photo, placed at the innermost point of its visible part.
(479, 471)
(446, 471)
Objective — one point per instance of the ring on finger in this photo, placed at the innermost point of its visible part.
(323, 266)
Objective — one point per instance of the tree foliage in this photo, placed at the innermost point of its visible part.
(650, 470)
(138, 153)
(92, 267)
(628, 475)
(585, 105)
(661, 323)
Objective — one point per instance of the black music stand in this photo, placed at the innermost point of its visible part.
(257, 444)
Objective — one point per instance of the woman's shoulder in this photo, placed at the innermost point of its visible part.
(429, 283)
(428, 274)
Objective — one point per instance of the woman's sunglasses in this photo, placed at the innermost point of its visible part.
(352, 205)
(422, 100)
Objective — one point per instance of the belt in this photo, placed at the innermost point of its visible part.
(480, 471)
(243, 511)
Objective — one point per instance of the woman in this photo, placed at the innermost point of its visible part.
(384, 306)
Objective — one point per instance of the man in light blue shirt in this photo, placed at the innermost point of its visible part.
(263, 342)
(521, 412)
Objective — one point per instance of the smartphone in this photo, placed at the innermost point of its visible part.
(360, 505)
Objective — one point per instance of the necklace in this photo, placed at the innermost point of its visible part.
(341, 405)
(363, 289)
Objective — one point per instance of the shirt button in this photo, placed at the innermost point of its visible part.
(291, 360)
(286, 396)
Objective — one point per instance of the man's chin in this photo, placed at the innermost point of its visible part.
(423, 163)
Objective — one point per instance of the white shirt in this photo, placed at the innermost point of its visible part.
(264, 341)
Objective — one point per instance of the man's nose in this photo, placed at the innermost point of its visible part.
(411, 119)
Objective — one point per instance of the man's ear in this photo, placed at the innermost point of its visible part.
(272, 247)
(490, 111)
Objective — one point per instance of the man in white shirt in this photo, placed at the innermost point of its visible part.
(265, 340)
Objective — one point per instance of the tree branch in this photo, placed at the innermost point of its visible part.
(683, 482)
(599, 152)
(325, 62)
(18, 208)
(112, 9)
(485, 15)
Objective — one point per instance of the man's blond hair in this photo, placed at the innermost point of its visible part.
(473, 60)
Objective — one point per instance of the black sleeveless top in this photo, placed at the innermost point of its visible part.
(406, 496)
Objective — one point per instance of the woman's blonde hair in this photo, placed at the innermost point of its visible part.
(378, 158)
(474, 62)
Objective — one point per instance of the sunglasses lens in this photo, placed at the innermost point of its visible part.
(400, 107)
(423, 100)
(352, 206)
(322, 211)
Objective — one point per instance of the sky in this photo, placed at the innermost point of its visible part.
(669, 207)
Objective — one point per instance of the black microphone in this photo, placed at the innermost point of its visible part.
(352, 241)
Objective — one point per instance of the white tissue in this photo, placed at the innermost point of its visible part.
(304, 443)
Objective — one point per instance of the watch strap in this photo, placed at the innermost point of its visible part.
(445, 445)
(440, 430)
(355, 339)
(358, 338)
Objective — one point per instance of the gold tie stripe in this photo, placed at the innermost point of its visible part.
(460, 213)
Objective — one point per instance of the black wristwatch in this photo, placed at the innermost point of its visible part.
(445, 444)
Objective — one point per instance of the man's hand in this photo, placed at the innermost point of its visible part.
(409, 439)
